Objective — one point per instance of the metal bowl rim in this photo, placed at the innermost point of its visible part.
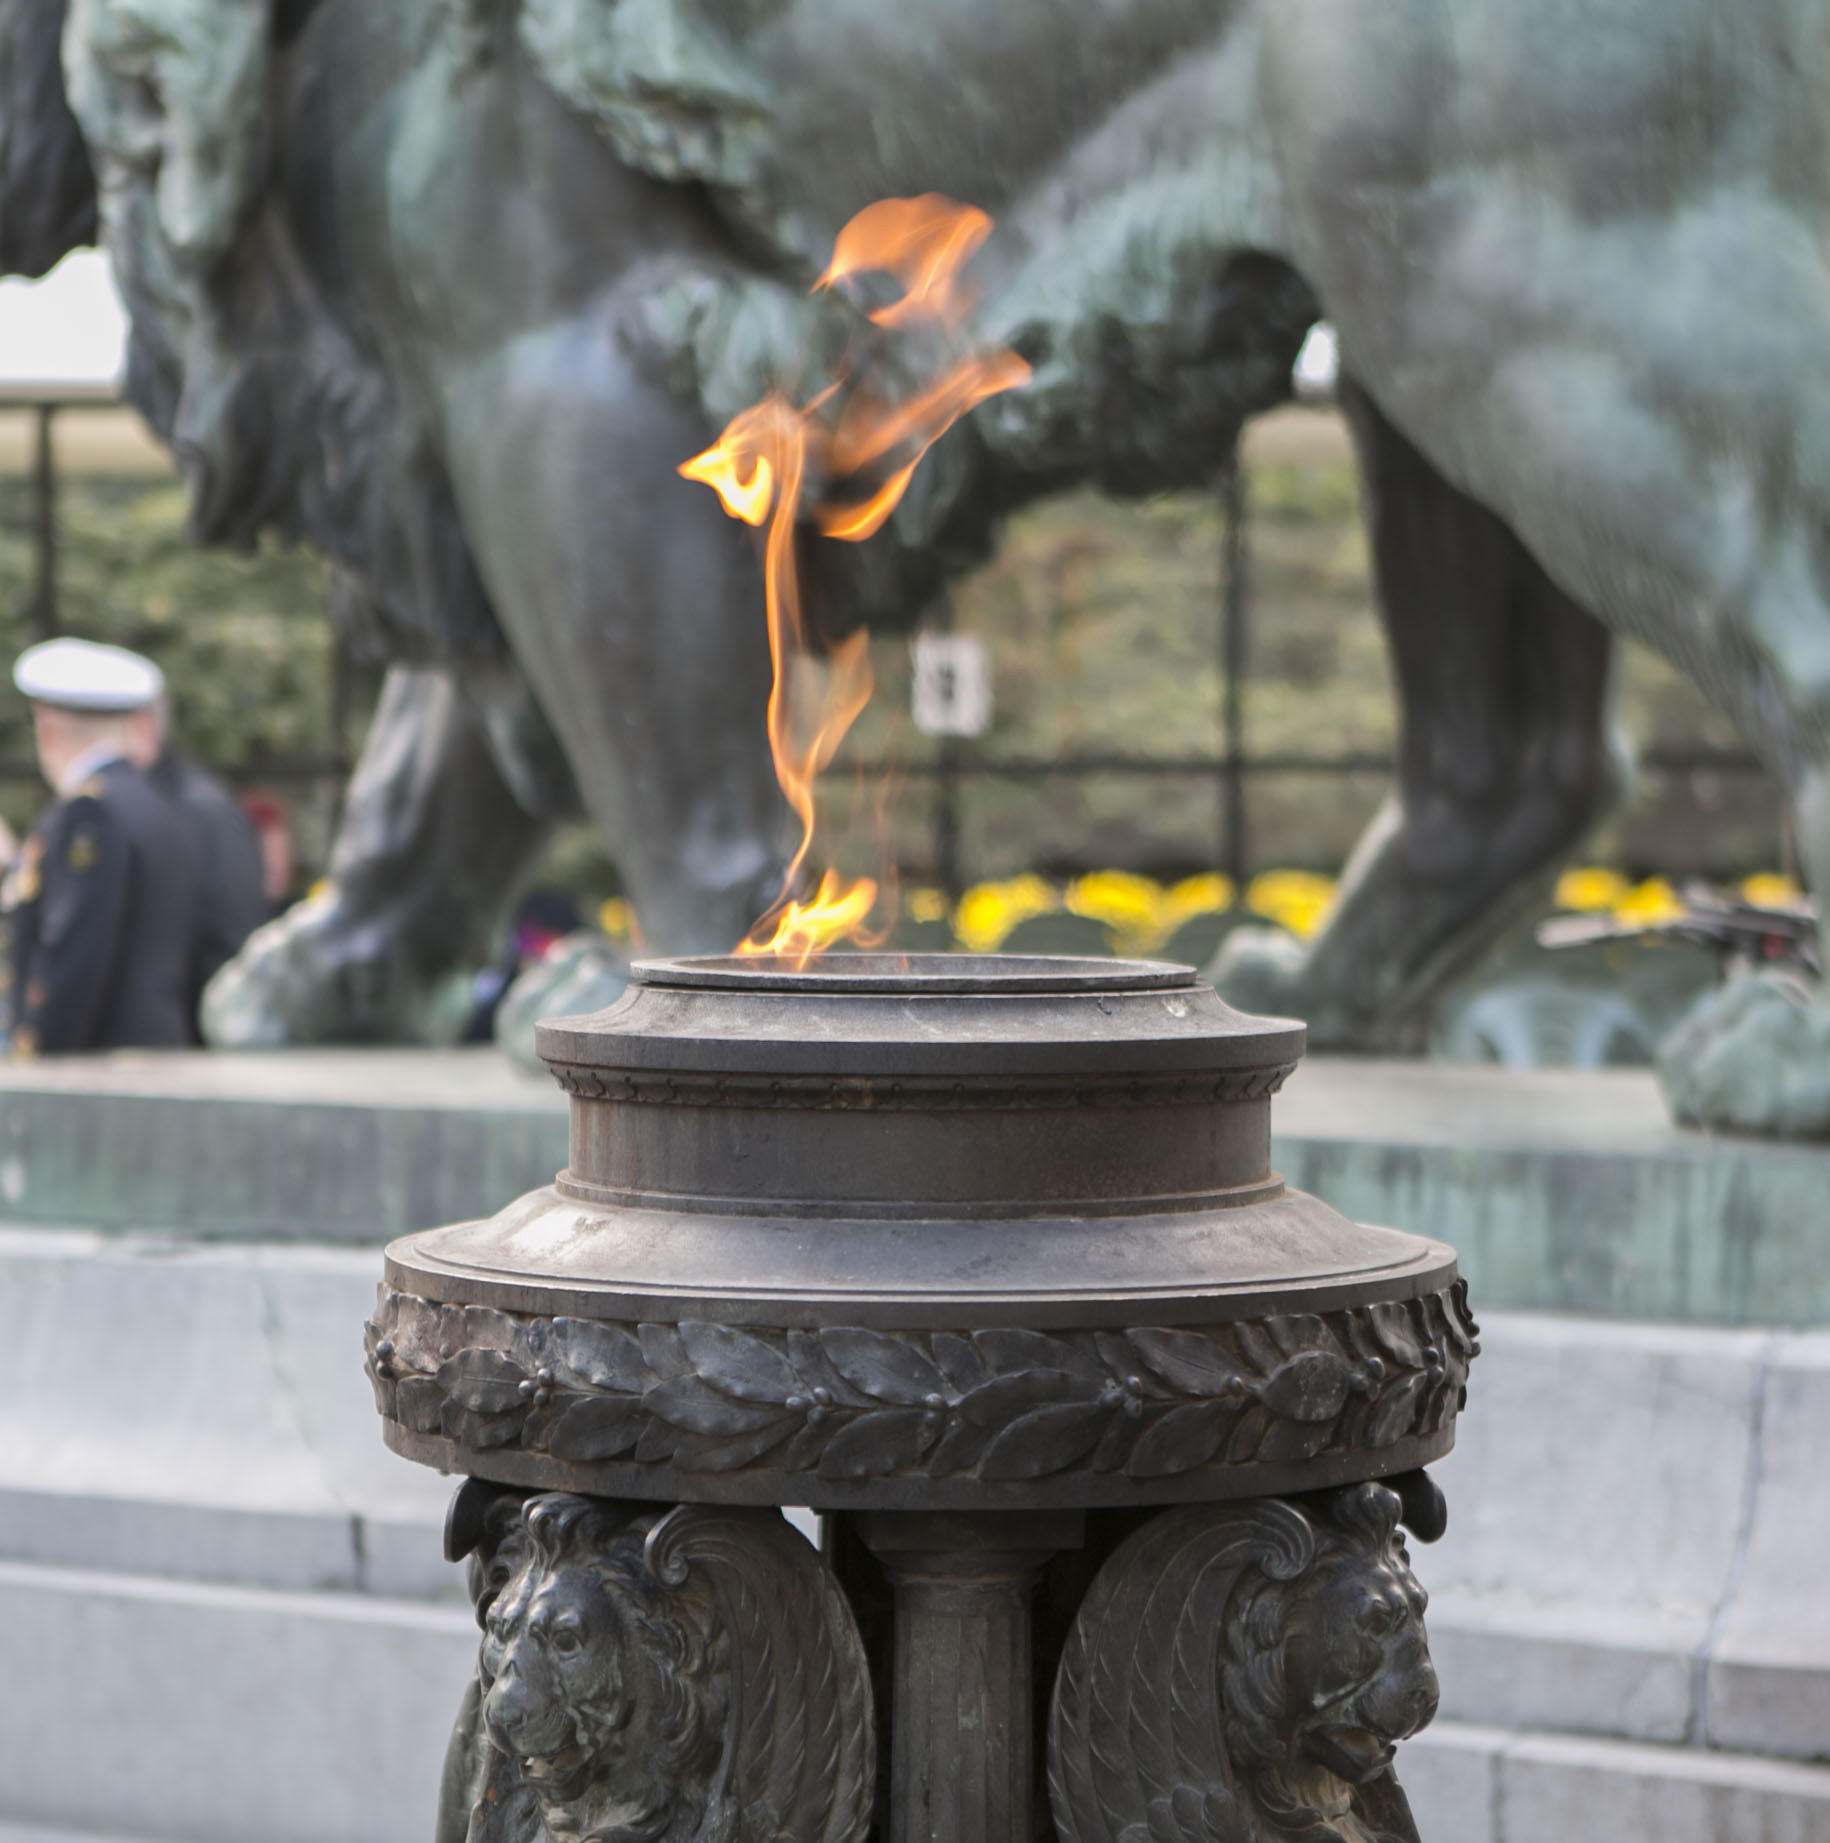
(917, 975)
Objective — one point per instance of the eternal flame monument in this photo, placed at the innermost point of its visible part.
(1111, 1405)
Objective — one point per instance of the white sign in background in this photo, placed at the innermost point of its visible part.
(69, 328)
(951, 695)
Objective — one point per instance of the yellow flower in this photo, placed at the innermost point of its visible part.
(1770, 890)
(1590, 890)
(926, 905)
(988, 911)
(616, 916)
(1295, 899)
(1209, 894)
(1130, 905)
(1648, 903)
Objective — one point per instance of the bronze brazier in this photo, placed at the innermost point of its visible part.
(985, 1259)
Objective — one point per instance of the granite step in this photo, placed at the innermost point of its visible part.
(1493, 1785)
(174, 1711)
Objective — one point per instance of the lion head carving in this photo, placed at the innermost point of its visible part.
(1267, 1658)
(687, 1677)
(607, 1688)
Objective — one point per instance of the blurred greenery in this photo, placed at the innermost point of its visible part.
(1102, 623)
(244, 640)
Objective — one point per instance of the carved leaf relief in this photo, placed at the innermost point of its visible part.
(850, 1403)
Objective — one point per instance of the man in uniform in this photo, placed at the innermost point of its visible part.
(232, 889)
(100, 908)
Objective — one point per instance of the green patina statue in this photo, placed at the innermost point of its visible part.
(451, 287)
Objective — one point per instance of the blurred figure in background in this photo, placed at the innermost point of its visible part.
(273, 834)
(541, 918)
(101, 907)
(232, 897)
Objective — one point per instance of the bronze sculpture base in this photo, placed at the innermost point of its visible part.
(1233, 1674)
(986, 1260)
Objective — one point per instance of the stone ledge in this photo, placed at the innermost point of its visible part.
(308, 1145)
(1494, 1785)
(1565, 1191)
(208, 1714)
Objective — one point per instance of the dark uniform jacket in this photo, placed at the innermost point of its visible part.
(232, 893)
(100, 912)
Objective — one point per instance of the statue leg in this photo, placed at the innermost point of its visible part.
(1505, 762)
(448, 804)
(1599, 325)
(634, 605)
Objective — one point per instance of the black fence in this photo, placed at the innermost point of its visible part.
(1231, 767)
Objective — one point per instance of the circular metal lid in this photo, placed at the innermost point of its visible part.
(913, 1015)
(919, 975)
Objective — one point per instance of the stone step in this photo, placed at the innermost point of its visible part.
(37, 1833)
(1635, 1545)
(211, 1559)
(225, 1713)
(1634, 1510)
(200, 1410)
(191, 1713)
(1493, 1785)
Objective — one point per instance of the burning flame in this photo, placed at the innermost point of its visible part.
(759, 468)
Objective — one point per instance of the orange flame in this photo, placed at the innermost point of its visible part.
(803, 929)
(923, 243)
(759, 467)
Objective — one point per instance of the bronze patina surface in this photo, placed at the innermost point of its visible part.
(986, 1259)
(891, 1232)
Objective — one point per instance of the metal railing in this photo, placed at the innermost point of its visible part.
(43, 402)
(1231, 767)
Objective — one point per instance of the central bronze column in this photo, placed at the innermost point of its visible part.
(962, 1698)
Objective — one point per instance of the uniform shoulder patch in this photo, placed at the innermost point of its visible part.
(80, 854)
(22, 881)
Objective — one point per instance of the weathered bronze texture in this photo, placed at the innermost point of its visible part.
(987, 1259)
(449, 287)
(661, 1675)
(1245, 1673)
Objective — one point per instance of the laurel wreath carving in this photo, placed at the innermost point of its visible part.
(905, 1094)
(849, 1403)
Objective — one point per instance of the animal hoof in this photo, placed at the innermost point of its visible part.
(1753, 1057)
(1259, 969)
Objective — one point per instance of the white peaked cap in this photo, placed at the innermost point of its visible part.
(82, 675)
